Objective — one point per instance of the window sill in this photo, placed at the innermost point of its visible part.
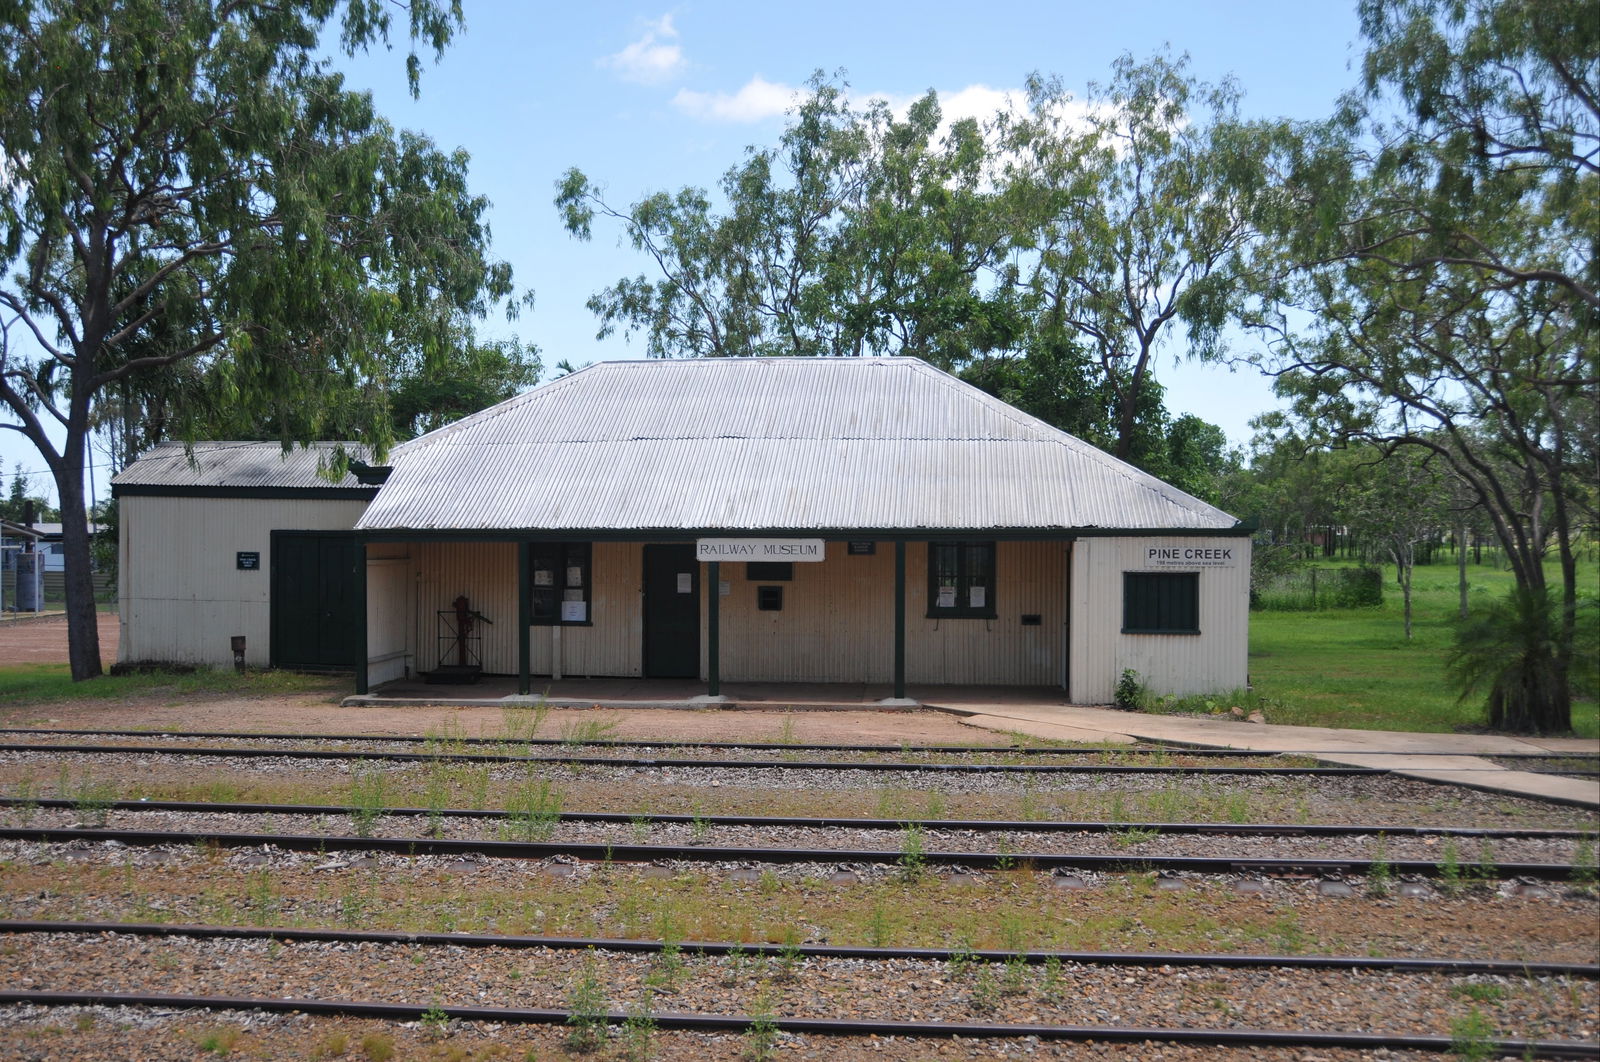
(962, 615)
(1156, 630)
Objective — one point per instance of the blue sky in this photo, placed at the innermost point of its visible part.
(644, 98)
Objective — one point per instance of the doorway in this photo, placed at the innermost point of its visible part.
(671, 611)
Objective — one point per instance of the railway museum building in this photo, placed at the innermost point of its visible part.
(867, 520)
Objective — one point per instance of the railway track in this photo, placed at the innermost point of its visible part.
(801, 902)
(951, 994)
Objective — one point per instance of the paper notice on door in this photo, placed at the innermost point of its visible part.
(947, 597)
(685, 582)
(975, 597)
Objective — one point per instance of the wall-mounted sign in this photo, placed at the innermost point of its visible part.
(759, 549)
(1191, 556)
(247, 562)
(861, 549)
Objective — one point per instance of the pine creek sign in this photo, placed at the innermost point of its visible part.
(1191, 556)
(802, 550)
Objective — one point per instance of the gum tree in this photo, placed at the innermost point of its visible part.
(188, 187)
(1441, 230)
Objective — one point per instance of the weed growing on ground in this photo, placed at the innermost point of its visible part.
(879, 932)
(935, 806)
(1379, 873)
(1129, 836)
(534, 810)
(26, 793)
(1485, 874)
(1014, 981)
(1472, 1037)
(521, 725)
(378, 1047)
(367, 800)
(1051, 986)
(1479, 991)
(1450, 877)
(435, 1021)
(220, 1040)
(985, 995)
(586, 1013)
(761, 1036)
(912, 859)
(789, 960)
(91, 799)
(1585, 873)
(637, 1029)
(589, 731)
(333, 1045)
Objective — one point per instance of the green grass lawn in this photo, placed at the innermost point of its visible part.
(1354, 667)
(22, 684)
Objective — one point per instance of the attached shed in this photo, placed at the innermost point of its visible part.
(239, 539)
(806, 520)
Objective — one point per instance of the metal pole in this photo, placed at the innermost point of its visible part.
(361, 617)
(714, 632)
(900, 620)
(524, 617)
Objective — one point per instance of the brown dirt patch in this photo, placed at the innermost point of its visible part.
(43, 639)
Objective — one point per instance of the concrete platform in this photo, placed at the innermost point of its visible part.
(1452, 759)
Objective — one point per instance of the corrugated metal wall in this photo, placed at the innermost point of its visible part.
(1216, 659)
(837, 622)
(389, 620)
(181, 596)
(611, 645)
(486, 572)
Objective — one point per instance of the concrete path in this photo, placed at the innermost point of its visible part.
(1455, 759)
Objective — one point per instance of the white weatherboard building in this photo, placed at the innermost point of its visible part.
(797, 520)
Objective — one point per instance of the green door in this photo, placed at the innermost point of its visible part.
(315, 603)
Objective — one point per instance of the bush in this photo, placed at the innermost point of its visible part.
(1310, 589)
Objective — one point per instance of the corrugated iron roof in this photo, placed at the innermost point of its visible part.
(749, 444)
(236, 464)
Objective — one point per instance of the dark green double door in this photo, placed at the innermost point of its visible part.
(316, 600)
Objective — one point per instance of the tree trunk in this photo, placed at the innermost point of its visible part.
(83, 631)
(1461, 568)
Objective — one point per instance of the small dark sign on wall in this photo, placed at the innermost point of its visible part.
(247, 562)
(862, 549)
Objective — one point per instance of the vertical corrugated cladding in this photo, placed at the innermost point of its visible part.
(389, 612)
(1030, 579)
(184, 594)
(836, 623)
(1215, 660)
(610, 644)
(486, 573)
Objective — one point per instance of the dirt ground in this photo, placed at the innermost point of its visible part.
(44, 641)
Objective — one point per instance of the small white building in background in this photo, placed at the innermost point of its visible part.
(798, 520)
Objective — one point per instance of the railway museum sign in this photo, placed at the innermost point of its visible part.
(759, 549)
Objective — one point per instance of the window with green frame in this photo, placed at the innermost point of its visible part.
(562, 580)
(961, 580)
(1160, 602)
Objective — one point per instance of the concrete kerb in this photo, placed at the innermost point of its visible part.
(1450, 759)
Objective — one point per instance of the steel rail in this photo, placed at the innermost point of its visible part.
(1009, 750)
(636, 946)
(1218, 829)
(617, 761)
(1560, 1049)
(648, 853)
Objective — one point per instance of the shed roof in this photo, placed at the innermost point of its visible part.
(234, 466)
(767, 444)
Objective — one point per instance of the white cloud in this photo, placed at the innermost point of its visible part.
(651, 59)
(757, 100)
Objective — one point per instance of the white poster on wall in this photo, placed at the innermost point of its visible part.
(574, 611)
(947, 597)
